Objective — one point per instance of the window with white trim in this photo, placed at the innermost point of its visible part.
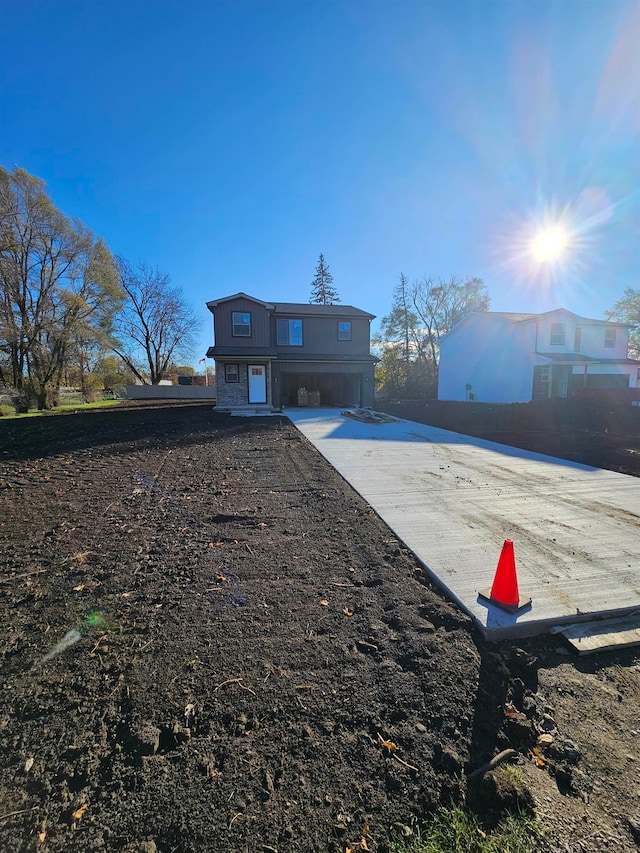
(289, 333)
(557, 335)
(609, 337)
(344, 330)
(545, 374)
(241, 324)
(231, 373)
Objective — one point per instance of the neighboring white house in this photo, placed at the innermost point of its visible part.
(496, 357)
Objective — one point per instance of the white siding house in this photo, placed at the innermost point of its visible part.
(495, 357)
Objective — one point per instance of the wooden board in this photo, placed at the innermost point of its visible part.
(590, 637)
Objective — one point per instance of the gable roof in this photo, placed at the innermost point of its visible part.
(584, 321)
(509, 315)
(516, 317)
(213, 303)
(305, 308)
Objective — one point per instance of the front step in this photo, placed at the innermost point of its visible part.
(247, 410)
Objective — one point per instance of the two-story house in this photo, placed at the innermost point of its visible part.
(496, 357)
(265, 352)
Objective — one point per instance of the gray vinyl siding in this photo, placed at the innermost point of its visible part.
(223, 324)
(324, 367)
(320, 335)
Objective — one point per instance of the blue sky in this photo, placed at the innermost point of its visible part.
(229, 143)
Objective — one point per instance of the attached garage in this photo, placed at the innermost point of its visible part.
(342, 390)
(608, 380)
(265, 352)
(338, 383)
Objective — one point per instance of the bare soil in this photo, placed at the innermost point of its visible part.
(593, 432)
(242, 635)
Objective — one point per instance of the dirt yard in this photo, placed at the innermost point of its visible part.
(585, 430)
(207, 638)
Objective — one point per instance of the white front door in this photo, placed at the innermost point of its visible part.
(257, 383)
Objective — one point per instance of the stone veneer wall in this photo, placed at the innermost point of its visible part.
(232, 393)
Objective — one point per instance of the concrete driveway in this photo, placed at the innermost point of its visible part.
(454, 499)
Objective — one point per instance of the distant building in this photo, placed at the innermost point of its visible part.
(496, 357)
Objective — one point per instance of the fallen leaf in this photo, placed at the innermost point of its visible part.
(79, 813)
(78, 588)
(363, 844)
(481, 833)
(347, 612)
(41, 837)
(545, 739)
(388, 744)
(28, 764)
(324, 602)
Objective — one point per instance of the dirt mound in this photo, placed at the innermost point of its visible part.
(210, 642)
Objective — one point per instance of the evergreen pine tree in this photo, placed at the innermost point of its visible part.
(322, 290)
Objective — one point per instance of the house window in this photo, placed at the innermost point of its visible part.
(289, 333)
(344, 330)
(241, 325)
(557, 335)
(545, 374)
(609, 337)
(576, 339)
(231, 373)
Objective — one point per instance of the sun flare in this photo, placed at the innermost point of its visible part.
(550, 244)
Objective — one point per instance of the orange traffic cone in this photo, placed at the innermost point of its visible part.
(504, 592)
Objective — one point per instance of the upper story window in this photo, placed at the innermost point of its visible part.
(344, 330)
(289, 333)
(557, 335)
(609, 337)
(241, 324)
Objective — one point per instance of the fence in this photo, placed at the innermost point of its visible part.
(170, 392)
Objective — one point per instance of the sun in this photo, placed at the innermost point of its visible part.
(550, 244)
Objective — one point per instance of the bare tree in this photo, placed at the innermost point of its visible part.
(409, 338)
(627, 310)
(400, 325)
(57, 283)
(440, 304)
(156, 326)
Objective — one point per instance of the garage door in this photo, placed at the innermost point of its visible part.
(607, 380)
